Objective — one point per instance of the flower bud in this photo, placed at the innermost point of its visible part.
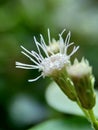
(81, 75)
(53, 47)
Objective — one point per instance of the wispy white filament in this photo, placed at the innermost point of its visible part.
(48, 64)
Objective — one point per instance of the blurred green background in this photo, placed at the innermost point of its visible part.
(23, 104)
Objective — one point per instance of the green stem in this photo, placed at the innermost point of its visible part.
(89, 115)
(83, 110)
(93, 120)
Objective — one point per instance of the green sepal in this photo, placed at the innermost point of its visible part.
(65, 84)
(85, 90)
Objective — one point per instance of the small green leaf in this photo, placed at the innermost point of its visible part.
(67, 123)
(56, 99)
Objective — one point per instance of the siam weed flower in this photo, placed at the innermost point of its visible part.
(51, 64)
(83, 79)
(80, 69)
(54, 47)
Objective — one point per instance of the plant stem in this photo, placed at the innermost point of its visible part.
(83, 110)
(90, 116)
(93, 120)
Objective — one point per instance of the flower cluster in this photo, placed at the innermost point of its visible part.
(76, 81)
(52, 62)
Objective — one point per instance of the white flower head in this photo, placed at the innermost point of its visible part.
(80, 69)
(83, 79)
(48, 64)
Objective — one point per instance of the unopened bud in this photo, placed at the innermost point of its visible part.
(81, 75)
(54, 47)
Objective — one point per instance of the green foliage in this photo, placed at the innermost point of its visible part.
(56, 98)
(70, 123)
